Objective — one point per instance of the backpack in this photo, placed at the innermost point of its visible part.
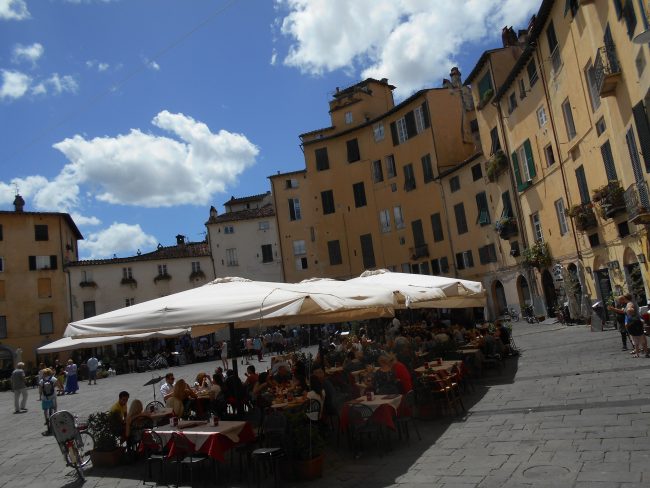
(48, 387)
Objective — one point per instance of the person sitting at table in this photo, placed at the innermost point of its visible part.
(167, 387)
(282, 373)
(202, 381)
(316, 392)
(384, 380)
(179, 401)
(120, 407)
(261, 388)
(251, 378)
(403, 376)
(234, 391)
(354, 361)
(135, 410)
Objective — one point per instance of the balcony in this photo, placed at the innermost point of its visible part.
(421, 251)
(637, 203)
(496, 165)
(607, 70)
(506, 227)
(583, 216)
(611, 199)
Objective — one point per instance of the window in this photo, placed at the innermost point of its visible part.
(461, 223)
(494, 137)
(409, 177)
(583, 188)
(384, 220)
(327, 200)
(162, 269)
(482, 208)
(512, 102)
(639, 63)
(427, 168)
(41, 233)
(2, 264)
(460, 261)
(42, 262)
(568, 120)
(487, 254)
(402, 134)
(89, 309)
(348, 117)
(353, 150)
(541, 116)
(264, 225)
(507, 205)
(630, 18)
(359, 192)
(623, 229)
(196, 266)
(3, 326)
(399, 218)
(594, 93)
(571, 5)
(522, 89)
(561, 216)
(537, 227)
(322, 159)
(477, 172)
(46, 322)
(44, 286)
(334, 251)
(444, 264)
(291, 183)
(608, 161)
(594, 240)
(419, 119)
(484, 85)
(378, 132)
(601, 126)
(436, 225)
(391, 171)
(294, 209)
(377, 171)
(129, 302)
(643, 130)
(231, 257)
(523, 165)
(367, 252)
(556, 61)
(267, 253)
(127, 273)
(549, 156)
(454, 184)
(299, 248)
(228, 229)
(435, 267)
(532, 72)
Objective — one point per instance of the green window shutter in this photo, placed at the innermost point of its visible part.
(515, 167)
(529, 158)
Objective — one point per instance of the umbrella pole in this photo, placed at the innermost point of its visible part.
(234, 347)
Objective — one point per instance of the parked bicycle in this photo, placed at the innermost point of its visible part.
(158, 362)
(513, 314)
(529, 314)
(73, 440)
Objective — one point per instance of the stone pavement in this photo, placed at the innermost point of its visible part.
(571, 411)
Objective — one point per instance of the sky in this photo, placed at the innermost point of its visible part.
(135, 116)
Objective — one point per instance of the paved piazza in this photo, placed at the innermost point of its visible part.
(571, 411)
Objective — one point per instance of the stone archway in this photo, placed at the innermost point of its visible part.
(523, 292)
(6, 359)
(550, 296)
(499, 298)
(634, 277)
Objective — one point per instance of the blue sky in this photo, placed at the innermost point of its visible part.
(136, 115)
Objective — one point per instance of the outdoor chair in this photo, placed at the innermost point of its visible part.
(313, 410)
(273, 448)
(154, 451)
(185, 456)
(403, 421)
(138, 426)
(361, 426)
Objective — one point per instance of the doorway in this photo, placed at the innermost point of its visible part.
(550, 295)
(604, 288)
(499, 297)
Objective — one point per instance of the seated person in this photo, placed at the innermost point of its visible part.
(384, 380)
(202, 381)
(167, 387)
(403, 376)
(261, 388)
(233, 389)
(354, 361)
(316, 392)
(282, 373)
(120, 407)
(135, 411)
(179, 400)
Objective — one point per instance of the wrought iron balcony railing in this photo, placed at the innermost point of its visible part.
(607, 69)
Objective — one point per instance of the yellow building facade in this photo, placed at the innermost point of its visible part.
(34, 293)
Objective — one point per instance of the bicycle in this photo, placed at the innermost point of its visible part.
(74, 441)
(529, 315)
(513, 314)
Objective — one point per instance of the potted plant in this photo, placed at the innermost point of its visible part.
(197, 275)
(583, 215)
(105, 427)
(537, 256)
(162, 277)
(496, 165)
(506, 227)
(307, 446)
(611, 199)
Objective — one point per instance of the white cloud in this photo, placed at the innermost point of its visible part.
(413, 43)
(84, 220)
(156, 171)
(13, 10)
(56, 84)
(151, 64)
(31, 53)
(27, 187)
(14, 84)
(274, 57)
(98, 65)
(118, 239)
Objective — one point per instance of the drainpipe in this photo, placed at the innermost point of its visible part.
(277, 229)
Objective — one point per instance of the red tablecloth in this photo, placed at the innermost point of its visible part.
(384, 411)
(216, 444)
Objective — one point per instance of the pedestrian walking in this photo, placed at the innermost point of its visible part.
(619, 309)
(71, 383)
(47, 390)
(92, 364)
(19, 387)
(224, 355)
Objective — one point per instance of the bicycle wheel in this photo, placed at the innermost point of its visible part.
(87, 444)
(73, 458)
(157, 406)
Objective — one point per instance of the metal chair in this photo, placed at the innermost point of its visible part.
(403, 421)
(312, 410)
(154, 450)
(138, 426)
(185, 456)
(273, 447)
(360, 426)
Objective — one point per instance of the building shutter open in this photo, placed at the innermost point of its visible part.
(643, 131)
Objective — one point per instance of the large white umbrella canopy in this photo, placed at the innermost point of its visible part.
(426, 291)
(244, 303)
(71, 344)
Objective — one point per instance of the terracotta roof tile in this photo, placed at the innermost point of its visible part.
(247, 214)
(188, 250)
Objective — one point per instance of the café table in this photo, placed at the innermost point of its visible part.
(297, 402)
(434, 367)
(214, 441)
(159, 416)
(384, 409)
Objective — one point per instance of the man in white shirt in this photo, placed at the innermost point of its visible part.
(92, 364)
(167, 387)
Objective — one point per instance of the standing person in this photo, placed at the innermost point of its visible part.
(635, 329)
(92, 364)
(249, 349)
(130, 358)
(224, 354)
(41, 371)
(71, 384)
(59, 373)
(257, 347)
(619, 310)
(47, 390)
(20, 388)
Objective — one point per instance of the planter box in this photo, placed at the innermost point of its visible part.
(508, 231)
(106, 459)
(310, 469)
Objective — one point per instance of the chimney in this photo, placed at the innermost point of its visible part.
(508, 37)
(180, 240)
(456, 80)
(19, 203)
(213, 211)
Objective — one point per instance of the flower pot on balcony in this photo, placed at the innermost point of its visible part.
(611, 199)
(506, 228)
(583, 216)
(496, 165)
